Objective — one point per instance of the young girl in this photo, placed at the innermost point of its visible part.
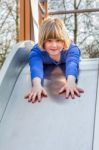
(54, 47)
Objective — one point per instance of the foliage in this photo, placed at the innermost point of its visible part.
(8, 27)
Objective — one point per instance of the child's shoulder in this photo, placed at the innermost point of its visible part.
(36, 51)
(73, 47)
(36, 47)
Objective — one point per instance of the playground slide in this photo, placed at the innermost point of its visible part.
(55, 123)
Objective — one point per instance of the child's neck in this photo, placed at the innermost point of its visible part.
(56, 57)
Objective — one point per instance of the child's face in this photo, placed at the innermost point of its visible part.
(53, 46)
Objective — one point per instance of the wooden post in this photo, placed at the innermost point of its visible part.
(25, 23)
(27, 20)
(25, 17)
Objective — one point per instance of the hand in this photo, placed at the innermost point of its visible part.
(71, 88)
(36, 94)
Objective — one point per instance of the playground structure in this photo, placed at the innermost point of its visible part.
(31, 19)
(55, 123)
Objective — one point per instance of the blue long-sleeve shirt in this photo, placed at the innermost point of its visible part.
(70, 57)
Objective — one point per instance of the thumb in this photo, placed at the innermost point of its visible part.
(44, 92)
(61, 90)
(26, 96)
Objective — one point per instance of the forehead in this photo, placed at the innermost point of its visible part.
(51, 41)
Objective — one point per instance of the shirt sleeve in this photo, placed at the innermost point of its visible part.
(36, 65)
(72, 62)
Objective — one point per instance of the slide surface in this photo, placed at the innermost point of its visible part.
(55, 123)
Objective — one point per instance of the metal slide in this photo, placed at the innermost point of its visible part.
(55, 123)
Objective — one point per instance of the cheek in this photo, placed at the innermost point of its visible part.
(47, 46)
(62, 45)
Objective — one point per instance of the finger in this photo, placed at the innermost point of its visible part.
(77, 92)
(72, 94)
(30, 97)
(61, 90)
(39, 96)
(34, 97)
(26, 96)
(80, 90)
(44, 92)
(67, 94)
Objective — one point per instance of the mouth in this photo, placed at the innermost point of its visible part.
(54, 51)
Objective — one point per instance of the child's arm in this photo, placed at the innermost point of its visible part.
(37, 91)
(36, 70)
(72, 72)
(71, 88)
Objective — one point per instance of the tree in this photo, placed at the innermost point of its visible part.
(8, 27)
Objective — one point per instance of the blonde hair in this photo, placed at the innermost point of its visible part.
(53, 28)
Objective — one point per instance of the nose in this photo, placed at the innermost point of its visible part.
(54, 44)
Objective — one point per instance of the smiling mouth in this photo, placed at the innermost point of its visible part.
(54, 52)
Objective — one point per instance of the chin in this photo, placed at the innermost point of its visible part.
(55, 53)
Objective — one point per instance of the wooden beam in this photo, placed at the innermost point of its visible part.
(43, 11)
(25, 22)
(26, 17)
(74, 11)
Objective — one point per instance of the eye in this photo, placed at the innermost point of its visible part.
(58, 40)
(49, 40)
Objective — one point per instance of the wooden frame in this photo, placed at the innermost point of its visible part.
(43, 11)
(25, 22)
(26, 18)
